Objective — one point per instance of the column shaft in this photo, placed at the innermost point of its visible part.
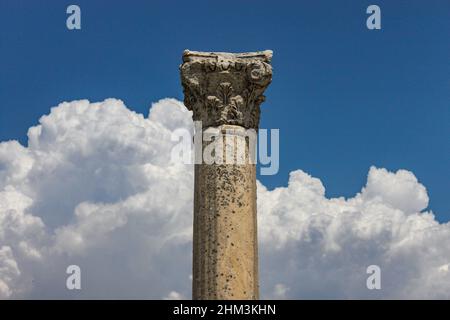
(225, 243)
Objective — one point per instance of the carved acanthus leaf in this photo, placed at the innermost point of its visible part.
(225, 88)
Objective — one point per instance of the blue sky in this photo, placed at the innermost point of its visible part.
(343, 97)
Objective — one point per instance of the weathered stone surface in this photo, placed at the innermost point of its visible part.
(225, 243)
(224, 91)
(225, 88)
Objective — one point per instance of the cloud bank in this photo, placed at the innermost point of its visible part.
(95, 187)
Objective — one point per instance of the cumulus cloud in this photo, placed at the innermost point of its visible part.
(326, 245)
(8, 270)
(95, 187)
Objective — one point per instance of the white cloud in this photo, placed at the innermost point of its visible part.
(280, 291)
(173, 295)
(325, 245)
(8, 270)
(95, 187)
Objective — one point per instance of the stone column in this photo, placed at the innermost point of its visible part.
(224, 91)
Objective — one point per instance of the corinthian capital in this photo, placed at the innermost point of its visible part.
(225, 88)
